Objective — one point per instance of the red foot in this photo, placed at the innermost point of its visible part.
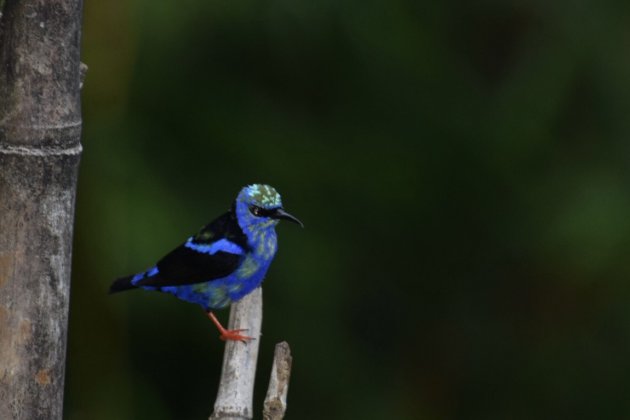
(232, 335)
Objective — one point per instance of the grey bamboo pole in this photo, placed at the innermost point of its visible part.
(236, 387)
(40, 125)
(276, 400)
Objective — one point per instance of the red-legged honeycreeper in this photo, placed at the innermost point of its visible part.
(225, 261)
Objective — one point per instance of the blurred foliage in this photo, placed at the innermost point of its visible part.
(462, 171)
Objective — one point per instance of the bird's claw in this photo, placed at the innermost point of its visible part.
(229, 335)
(234, 335)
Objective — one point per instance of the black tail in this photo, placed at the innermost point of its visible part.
(121, 284)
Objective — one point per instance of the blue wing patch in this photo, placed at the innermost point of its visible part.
(145, 274)
(224, 245)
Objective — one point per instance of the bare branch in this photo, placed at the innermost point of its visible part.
(236, 389)
(40, 127)
(276, 399)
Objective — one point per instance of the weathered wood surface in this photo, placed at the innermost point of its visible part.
(236, 388)
(275, 405)
(40, 124)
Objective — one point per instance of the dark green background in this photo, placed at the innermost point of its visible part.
(462, 169)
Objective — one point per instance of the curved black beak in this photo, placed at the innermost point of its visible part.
(281, 214)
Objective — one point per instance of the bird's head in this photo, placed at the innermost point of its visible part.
(260, 206)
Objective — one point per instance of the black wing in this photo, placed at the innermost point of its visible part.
(184, 265)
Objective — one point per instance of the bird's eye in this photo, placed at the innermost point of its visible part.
(256, 211)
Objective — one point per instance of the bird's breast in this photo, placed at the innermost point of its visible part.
(253, 268)
(264, 244)
(263, 248)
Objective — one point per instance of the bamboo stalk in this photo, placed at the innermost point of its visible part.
(276, 400)
(40, 127)
(236, 388)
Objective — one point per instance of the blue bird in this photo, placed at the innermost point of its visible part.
(225, 261)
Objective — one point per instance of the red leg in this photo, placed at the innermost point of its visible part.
(228, 334)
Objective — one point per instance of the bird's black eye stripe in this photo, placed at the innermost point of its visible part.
(260, 212)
